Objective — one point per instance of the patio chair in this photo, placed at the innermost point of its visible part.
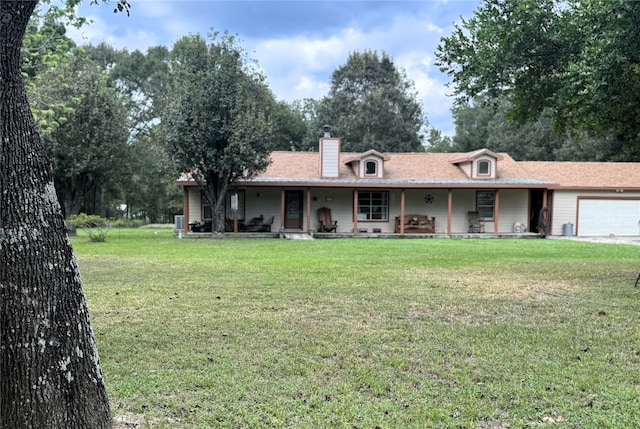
(475, 225)
(326, 224)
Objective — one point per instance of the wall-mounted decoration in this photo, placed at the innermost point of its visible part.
(428, 199)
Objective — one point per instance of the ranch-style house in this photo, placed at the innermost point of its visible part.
(480, 192)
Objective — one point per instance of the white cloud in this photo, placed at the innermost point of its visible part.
(297, 65)
(301, 67)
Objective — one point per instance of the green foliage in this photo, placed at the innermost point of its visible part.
(484, 123)
(576, 61)
(279, 333)
(220, 117)
(436, 142)
(290, 127)
(373, 105)
(95, 226)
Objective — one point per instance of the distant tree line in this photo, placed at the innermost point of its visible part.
(119, 126)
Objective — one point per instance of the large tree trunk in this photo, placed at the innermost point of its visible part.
(50, 375)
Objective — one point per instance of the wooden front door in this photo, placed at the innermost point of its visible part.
(293, 210)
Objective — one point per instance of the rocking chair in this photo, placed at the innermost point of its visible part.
(326, 224)
(474, 222)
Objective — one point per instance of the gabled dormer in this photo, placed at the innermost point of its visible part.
(479, 164)
(368, 165)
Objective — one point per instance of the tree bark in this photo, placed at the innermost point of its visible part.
(50, 375)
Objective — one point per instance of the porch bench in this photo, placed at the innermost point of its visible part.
(259, 224)
(416, 224)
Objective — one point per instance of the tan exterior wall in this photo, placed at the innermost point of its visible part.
(565, 206)
(195, 204)
(513, 206)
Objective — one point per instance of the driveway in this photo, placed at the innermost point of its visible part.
(611, 239)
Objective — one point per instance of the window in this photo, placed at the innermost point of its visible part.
(373, 205)
(371, 168)
(484, 168)
(485, 203)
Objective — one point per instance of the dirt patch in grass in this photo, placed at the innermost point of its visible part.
(516, 283)
(136, 421)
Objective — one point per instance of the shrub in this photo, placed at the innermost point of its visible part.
(96, 226)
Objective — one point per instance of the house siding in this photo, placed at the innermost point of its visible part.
(513, 208)
(195, 204)
(565, 205)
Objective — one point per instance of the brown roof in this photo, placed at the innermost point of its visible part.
(440, 170)
(399, 167)
(584, 175)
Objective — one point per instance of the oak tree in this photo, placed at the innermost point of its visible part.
(575, 60)
(219, 117)
(49, 366)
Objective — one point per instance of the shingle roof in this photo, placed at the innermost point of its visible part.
(584, 175)
(439, 170)
(399, 168)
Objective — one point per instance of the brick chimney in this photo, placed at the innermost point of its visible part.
(329, 154)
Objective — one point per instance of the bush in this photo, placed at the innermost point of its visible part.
(96, 226)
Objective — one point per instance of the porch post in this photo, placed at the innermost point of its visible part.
(308, 210)
(355, 211)
(402, 200)
(282, 198)
(449, 209)
(496, 210)
(185, 208)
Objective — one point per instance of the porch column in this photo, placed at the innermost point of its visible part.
(282, 207)
(545, 201)
(496, 210)
(185, 208)
(402, 200)
(308, 210)
(449, 209)
(355, 211)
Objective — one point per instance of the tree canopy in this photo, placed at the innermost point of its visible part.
(373, 105)
(577, 61)
(219, 120)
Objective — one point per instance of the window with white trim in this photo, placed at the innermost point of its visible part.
(373, 205)
(485, 204)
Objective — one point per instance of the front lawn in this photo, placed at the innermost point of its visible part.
(365, 333)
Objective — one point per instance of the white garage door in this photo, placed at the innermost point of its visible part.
(605, 217)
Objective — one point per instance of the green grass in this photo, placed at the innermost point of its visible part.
(357, 333)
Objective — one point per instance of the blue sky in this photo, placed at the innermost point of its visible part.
(298, 44)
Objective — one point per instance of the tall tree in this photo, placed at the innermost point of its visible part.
(88, 146)
(290, 128)
(219, 122)
(576, 59)
(49, 363)
(373, 105)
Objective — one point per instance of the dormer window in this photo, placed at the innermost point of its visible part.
(484, 168)
(371, 168)
(368, 165)
(481, 164)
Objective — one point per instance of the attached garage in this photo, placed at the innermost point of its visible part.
(617, 216)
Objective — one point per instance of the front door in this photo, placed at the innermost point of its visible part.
(293, 210)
